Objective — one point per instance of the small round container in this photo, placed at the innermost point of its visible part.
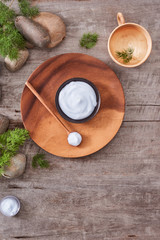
(129, 35)
(94, 111)
(16, 201)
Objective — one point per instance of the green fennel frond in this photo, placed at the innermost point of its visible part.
(38, 160)
(26, 9)
(11, 41)
(89, 40)
(6, 14)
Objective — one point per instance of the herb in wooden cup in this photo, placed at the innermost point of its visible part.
(126, 54)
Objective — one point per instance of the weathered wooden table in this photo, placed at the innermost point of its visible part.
(113, 194)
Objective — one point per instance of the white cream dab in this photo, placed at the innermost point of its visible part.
(74, 139)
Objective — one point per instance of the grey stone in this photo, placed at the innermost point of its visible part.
(16, 167)
(14, 65)
(4, 123)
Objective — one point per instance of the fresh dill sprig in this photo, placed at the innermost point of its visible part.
(26, 9)
(126, 54)
(6, 14)
(10, 143)
(11, 41)
(38, 160)
(89, 40)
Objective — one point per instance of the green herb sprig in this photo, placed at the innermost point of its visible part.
(38, 160)
(10, 143)
(26, 9)
(89, 40)
(126, 54)
(6, 14)
(11, 40)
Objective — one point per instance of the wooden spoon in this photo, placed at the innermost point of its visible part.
(74, 138)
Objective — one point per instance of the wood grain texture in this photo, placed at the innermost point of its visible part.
(114, 193)
(46, 131)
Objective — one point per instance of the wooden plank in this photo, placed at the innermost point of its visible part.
(132, 114)
(142, 113)
(84, 236)
(80, 199)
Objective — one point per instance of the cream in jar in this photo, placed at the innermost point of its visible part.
(9, 206)
(77, 100)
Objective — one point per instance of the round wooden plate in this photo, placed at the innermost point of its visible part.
(97, 132)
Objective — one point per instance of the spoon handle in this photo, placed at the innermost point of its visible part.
(44, 104)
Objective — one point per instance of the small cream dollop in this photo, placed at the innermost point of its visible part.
(9, 206)
(74, 139)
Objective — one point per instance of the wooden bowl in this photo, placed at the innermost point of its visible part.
(129, 35)
(95, 109)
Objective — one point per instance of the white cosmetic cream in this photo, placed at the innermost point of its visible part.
(74, 139)
(77, 100)
(9, 206)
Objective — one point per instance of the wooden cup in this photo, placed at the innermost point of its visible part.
(129, 35)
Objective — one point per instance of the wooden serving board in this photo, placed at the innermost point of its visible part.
(97, 132)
